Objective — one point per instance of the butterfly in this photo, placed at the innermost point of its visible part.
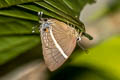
(58, 41)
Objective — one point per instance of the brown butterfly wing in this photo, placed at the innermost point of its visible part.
(65, 37)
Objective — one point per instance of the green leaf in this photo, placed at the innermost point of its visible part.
(12, 46)
(56, 11)
(12, 26)
(15, 37)
(77, 5)
(18, 13)
(60, 5)
(8, 3)
(36, 9)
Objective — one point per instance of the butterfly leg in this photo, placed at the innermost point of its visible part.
(35, 27)
(79, 39)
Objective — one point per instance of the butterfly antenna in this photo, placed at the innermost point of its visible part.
(40, 16)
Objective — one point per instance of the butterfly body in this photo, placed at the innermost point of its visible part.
(58, 42)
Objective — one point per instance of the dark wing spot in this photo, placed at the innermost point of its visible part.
(45, 30)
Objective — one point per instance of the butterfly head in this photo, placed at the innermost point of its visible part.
(44, 23)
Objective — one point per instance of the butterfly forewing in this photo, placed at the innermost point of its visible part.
(65, 38)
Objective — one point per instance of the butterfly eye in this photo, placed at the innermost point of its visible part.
(45, 19)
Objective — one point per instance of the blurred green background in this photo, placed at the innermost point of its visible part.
(19, 47)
